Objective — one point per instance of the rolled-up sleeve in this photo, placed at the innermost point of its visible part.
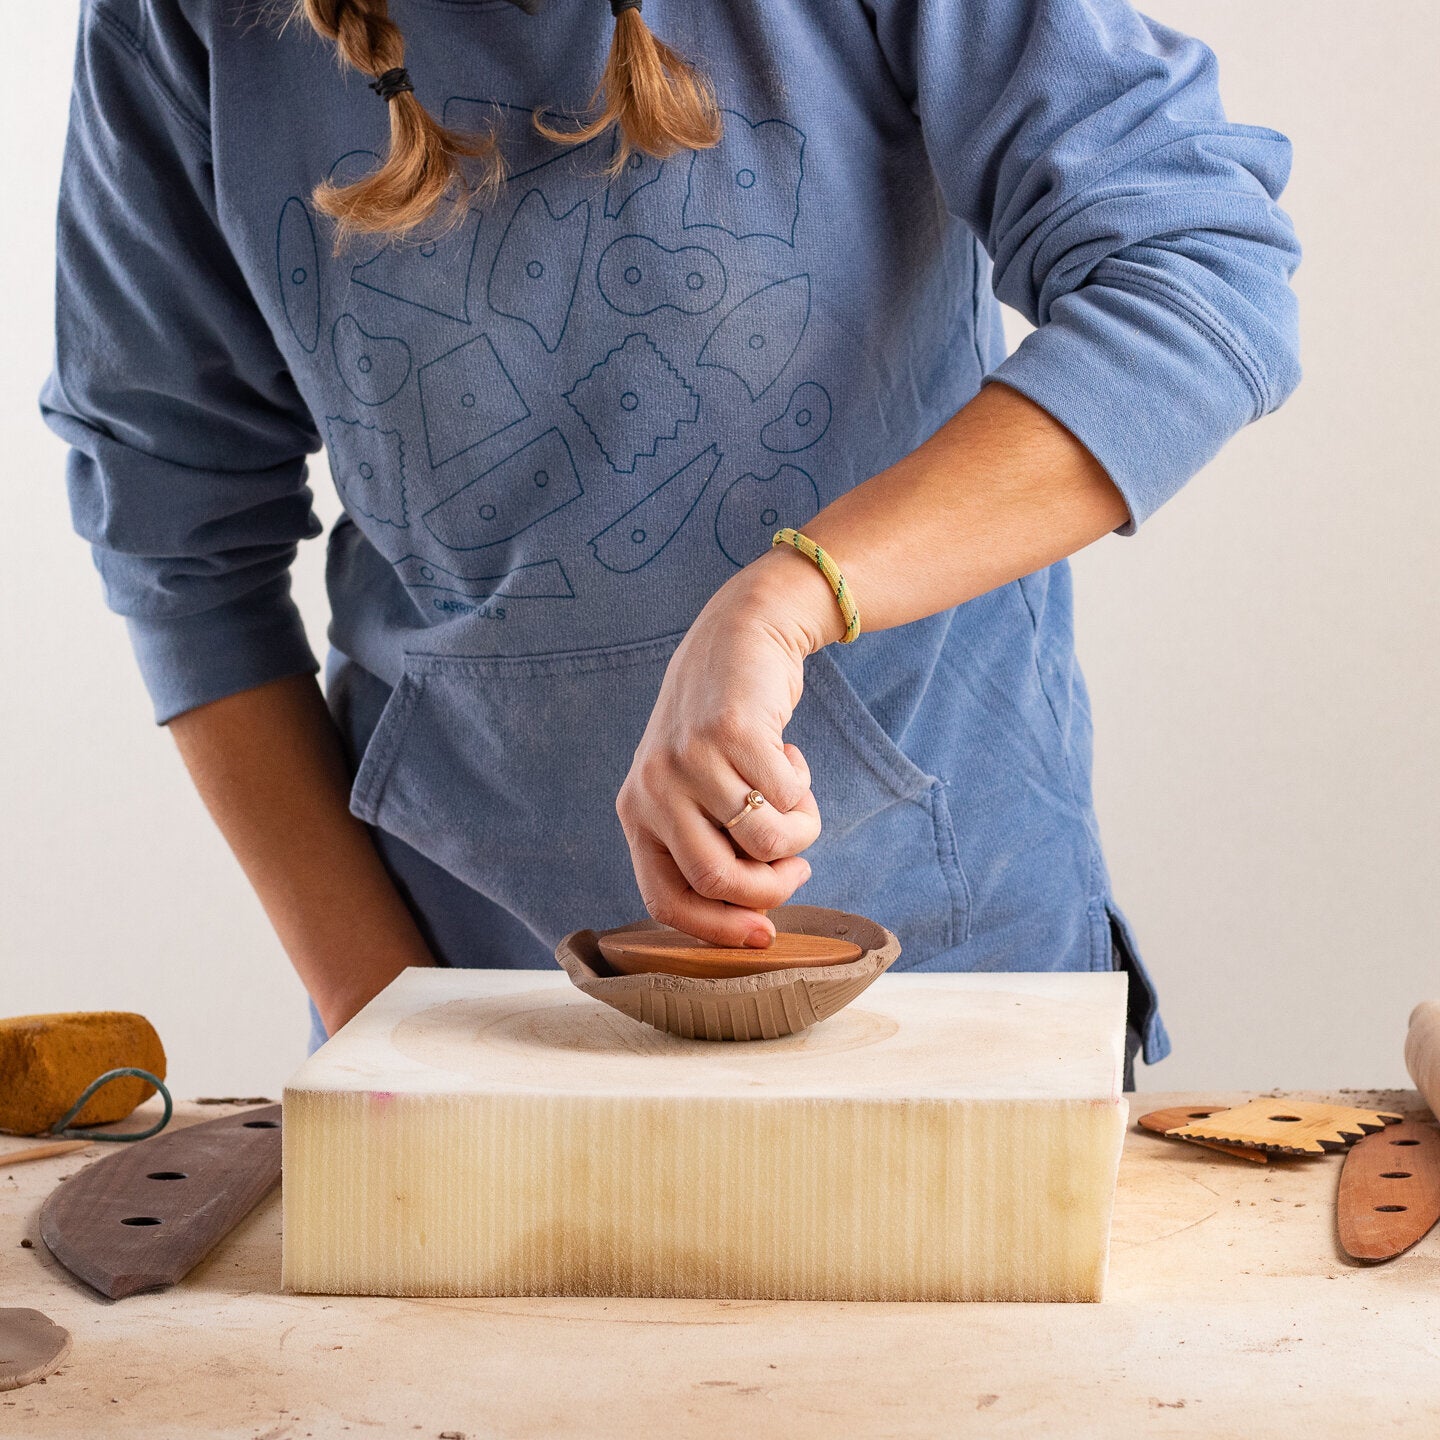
(187, 468)
(1126, 218)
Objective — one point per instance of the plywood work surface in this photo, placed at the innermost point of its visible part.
(1229, 1313)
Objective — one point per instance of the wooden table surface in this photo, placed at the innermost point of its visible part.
(1229, 1312)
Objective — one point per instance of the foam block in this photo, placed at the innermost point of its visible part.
(46, 1061)
(946, 1137)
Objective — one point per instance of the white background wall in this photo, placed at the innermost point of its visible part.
(1262, 658)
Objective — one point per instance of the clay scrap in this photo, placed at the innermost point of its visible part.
(32, 1346)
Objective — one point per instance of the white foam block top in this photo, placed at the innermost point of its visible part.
(1012, 1037)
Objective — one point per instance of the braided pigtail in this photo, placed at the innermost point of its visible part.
(423, 166)
(655, 99)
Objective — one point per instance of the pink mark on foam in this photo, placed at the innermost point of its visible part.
(382, 1097)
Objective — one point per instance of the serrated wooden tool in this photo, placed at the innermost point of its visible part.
(1389, 1191)
(1289, 1127)
(1168, 1122)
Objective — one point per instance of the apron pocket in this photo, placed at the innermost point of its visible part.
(887, 849)
(504, 771)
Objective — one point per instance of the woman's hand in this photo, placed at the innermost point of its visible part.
(715, 734)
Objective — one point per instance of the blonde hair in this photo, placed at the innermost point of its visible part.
(654, 99)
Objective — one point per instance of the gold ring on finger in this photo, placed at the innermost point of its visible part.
(753, 801)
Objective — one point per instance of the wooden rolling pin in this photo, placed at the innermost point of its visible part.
(1422, 1052)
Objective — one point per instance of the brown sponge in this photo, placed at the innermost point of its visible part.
(47, 1060)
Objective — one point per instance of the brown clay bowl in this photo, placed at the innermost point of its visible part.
(755, 1006)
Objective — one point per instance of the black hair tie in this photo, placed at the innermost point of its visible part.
(616, 6)
(392, 83)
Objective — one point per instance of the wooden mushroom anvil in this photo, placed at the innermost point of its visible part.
(670, 952)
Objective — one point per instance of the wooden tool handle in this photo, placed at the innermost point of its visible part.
(1422, 1052)
(43, 1152)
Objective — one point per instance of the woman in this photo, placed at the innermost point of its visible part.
(577, 356)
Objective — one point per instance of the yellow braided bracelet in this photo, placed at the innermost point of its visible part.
(831, 571)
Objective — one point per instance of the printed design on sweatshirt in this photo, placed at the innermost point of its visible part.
(632, 400)
(805, 420)
(431, 271)
(373, 368)
(756, 339)
(512, 125)
(297, 263)
(638, 276)
(646, 528)
(368, 464)
(749, 184)
(466, 396)
(539, 580)
(352, 166)
(537, 267)
(755, 506)
(700, 252)
(537, 480)
(638, 172)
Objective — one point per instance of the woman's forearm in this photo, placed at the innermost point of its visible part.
(1001, 490)
(269, 766)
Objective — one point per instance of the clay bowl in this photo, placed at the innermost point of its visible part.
(762, 1005)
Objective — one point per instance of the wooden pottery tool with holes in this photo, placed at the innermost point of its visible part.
(32, 1346)
(681, 986)
(1288, 1127)
(1390, 1190)
(495, 1132)
(1168, 1122)
(145, 1217)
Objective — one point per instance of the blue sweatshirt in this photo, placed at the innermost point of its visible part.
(560, 425)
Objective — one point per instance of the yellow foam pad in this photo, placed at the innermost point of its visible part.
(47, 1060)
